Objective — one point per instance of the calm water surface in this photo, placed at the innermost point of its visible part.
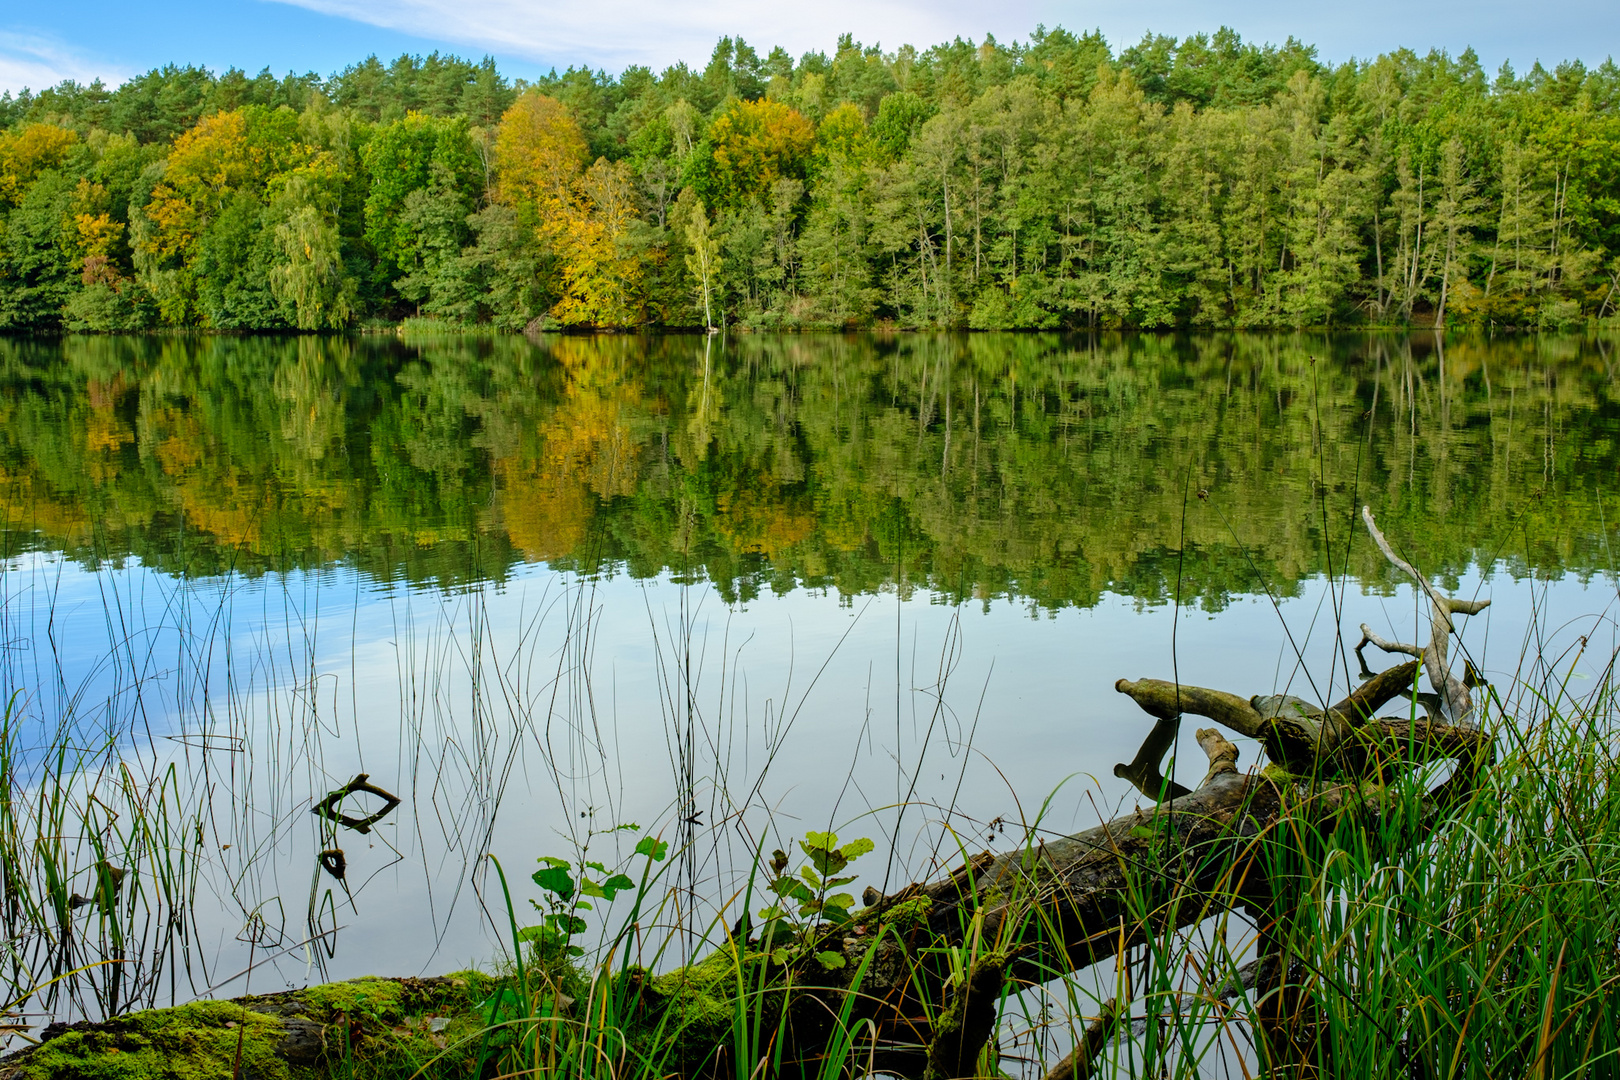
(728, 590)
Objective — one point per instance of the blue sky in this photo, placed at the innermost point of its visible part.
(112, 39)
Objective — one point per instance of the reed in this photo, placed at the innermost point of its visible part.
(1477, 941)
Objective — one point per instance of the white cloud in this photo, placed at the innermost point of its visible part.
(37, 62)
(613, 33)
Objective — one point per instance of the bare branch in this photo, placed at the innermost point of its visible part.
(1389, 553)
(1222, 754)
(1370, 638)
(1168, 701)
(1457, 705)
(1371, 695)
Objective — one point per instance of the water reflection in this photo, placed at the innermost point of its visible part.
(1045, 468)
(731, 591)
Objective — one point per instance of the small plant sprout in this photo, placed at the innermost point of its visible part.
(806, 896)
(570, 887)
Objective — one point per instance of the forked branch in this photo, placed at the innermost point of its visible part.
(1456, 703)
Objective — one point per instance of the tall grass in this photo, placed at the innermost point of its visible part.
(83, 819)
(1483, 941)
(1479, 939)
(1488, 947)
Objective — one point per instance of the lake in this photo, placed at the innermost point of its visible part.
(726, 589)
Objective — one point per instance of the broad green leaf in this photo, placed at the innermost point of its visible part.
(616, 884)
(791, 887)
(827, 861)
(830, 960)
(856, 848)
(652, 847)
(568, 925)
(555, 879)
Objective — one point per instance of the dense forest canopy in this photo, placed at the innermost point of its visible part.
(1055, 183)
(1045, 468)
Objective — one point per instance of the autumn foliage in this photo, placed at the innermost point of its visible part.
(583, 216)
(1055, 183)
(755, 144)
(540, 151)
(27, 153)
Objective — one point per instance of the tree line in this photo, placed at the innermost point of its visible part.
(1053, 183)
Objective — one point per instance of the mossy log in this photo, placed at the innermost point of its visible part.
(1019, 917)
(364, 1027)
(912, 964)
(1053, 906)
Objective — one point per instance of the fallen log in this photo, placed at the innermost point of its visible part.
(318, 1031)
(920, 972)
(1054, 906)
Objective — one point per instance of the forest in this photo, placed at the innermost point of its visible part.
(1205, 182)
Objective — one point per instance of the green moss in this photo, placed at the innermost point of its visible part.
(370, 997)
(372, 1028)
(382, 1028)
(699, 1006)
(193, 1042)
(910, 914)
(704, 994)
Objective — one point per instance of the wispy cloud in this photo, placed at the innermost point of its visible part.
(613, 33)
(28, 60)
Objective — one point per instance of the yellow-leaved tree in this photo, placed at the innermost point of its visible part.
(27, 153)
(226, 156)
(751, 146)
(540, 152)
(601, 271)
(207, 163)
(582, 217)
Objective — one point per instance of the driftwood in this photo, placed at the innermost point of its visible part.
(919, 972)
(1456, 704)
